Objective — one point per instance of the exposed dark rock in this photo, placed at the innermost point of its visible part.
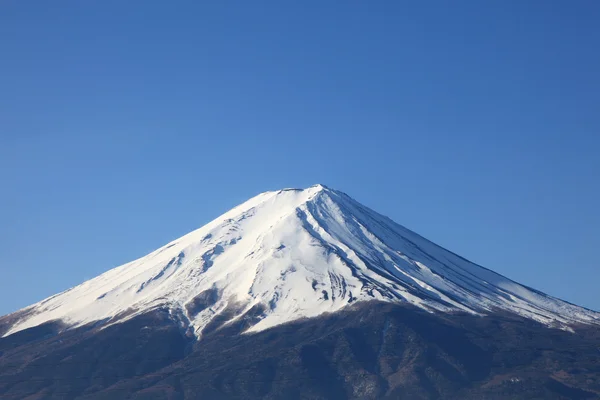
(201, 302)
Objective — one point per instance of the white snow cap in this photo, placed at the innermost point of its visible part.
(296, 253)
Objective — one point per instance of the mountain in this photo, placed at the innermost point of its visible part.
(291, 254)
(316, 293)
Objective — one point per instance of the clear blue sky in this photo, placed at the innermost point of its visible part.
(126, 124)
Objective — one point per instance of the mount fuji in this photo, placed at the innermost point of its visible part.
(290, 254)
(293, 257)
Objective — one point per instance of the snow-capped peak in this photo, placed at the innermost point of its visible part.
(293, 253)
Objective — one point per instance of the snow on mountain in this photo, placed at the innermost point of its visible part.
(289, 254)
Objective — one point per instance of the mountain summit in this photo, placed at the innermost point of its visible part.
(291, 254)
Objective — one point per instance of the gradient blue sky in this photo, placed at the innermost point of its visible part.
(126, 124)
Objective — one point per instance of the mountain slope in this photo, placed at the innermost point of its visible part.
(369, 350)
(289, 254)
